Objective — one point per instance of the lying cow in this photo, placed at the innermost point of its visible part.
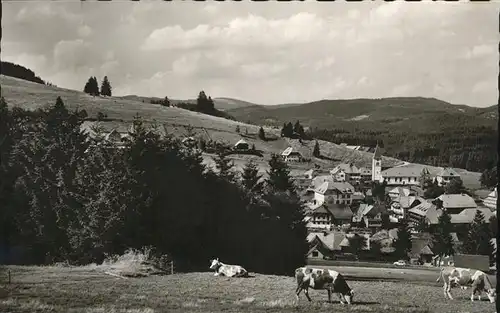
(466, 277)
(222, 269)
(320, 279)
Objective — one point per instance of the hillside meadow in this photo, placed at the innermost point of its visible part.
(88, 289)
(122, 110)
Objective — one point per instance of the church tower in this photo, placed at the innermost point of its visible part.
(377, 165)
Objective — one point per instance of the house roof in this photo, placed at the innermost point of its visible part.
(288, 151)
(467, 215)
(428, 210)
(402, 171)
(407, 201)
(400, 191)
(344, 242)
(416, 190)
(341, 212)
(331, 240)
(421, 246)
(241, 141)
(457, 201)
(309, 172)
(346, 168)
(342, 187)
(448, 172)
(358, 195)
(363, 210)
(375, 209)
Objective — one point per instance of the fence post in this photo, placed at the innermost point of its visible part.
(172, 267)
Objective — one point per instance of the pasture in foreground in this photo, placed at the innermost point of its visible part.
(88, 289)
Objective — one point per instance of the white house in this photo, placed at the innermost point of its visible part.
(491, 201)
(446, 175)
(241, 145)
(346, 172)
(402, 175)
(331, 192)
(289, 155)
(456, 203)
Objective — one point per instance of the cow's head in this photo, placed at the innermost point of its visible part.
(349, 297)
(214, 264)
(492, 294)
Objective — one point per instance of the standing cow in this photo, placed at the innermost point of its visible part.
(320, 279)
(222, 269)
(466, 277)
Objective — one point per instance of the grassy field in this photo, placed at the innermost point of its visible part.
(86, 289)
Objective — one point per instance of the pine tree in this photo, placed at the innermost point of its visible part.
(455, 186)
(224, 166)
(165, 102)
(87, 88)
(478, 237)
(422, 225)
(106, 87)
(356, 244)
(442, 242)
(262, 134)
(296, 127)
(251, 178)
(279, 175)
(403, 243)
(316, 151)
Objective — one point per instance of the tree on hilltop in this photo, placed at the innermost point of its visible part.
(106, 87)
(92, 86)
(316, 151)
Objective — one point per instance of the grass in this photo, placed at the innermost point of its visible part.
(67, 289)
(122, 110)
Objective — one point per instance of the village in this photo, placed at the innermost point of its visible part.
(340, 206)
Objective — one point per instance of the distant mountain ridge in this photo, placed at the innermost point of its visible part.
(365, 112)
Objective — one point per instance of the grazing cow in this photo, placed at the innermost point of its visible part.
(466, 277)
(222, 269)
(319, 279)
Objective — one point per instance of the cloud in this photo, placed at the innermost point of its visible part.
(84, 31)
(251, 30)
(300, 52)
(480, 51)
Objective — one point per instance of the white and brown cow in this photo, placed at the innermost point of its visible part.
(323, 279)
(466, 277)
(222, 269)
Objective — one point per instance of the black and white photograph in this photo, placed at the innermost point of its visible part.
(244, 156)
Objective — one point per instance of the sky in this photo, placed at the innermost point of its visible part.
(266, 53)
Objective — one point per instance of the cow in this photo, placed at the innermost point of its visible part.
(222, 269)
(321, 279)
(466, 277)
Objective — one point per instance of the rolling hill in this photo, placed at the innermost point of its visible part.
(122, 110)
(222, 104)
(413, 113)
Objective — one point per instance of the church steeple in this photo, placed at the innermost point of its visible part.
(377, 155)
(377, 165)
